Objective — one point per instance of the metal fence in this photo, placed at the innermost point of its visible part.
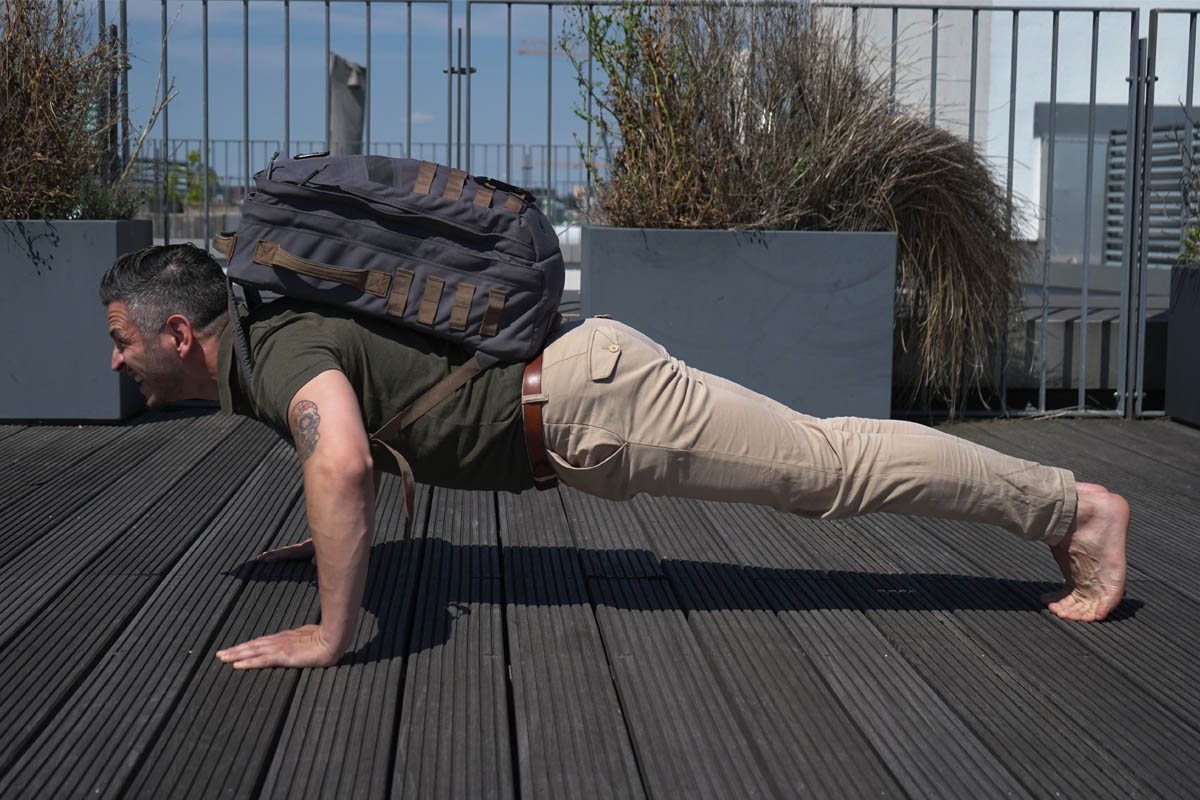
(226, 160)
(1137, 160)
(925, 50)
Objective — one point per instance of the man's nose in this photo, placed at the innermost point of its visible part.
(117, 360)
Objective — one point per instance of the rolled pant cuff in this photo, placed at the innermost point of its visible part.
(1059, 529)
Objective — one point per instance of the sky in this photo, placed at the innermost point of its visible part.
(348, 37)
(490, 45)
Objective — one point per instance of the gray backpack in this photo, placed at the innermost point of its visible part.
(463, 258)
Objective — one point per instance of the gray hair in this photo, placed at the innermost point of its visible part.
(157, 282)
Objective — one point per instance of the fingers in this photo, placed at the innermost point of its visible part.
(253, 649)
(301, 647)
(265, 651)
(258, 662)
(291, 552)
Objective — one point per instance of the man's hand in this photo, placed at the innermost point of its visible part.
(339, 498)
(291, 552)
(302, 647)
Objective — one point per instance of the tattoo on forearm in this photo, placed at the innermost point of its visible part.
(306, 427)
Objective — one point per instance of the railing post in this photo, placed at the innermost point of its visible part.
(1147, 157)
(1134, 234)
(470, 70)
(1048, 228)
(287, 79)
(204, 156)
(1087, 217)
(166, 152)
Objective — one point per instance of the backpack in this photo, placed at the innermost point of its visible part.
(468, 259)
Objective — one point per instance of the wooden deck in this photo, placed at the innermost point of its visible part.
(550, 645)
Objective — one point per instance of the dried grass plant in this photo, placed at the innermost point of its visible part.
(1189, 245)
(57, 115)
(765, 117)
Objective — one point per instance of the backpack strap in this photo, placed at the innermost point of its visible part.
(456, 378)
(225, 243)
(381, 448)
(448, 385)
(241, 341)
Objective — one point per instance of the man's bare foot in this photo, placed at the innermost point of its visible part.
(1092, 557)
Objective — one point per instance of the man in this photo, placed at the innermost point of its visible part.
(619, 417)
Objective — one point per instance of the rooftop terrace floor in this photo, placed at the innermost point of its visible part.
(551, 645)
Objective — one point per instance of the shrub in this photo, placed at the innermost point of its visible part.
(1189, 245)
(185, 182)
(763, 117)
(57, 117)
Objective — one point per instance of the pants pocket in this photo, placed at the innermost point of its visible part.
(597, 462)
(604, 350)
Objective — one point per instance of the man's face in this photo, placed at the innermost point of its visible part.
(149, 360)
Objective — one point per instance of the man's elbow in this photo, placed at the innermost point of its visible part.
(348, 469)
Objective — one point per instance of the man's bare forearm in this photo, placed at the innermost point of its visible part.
(339, 492)
(340, 503)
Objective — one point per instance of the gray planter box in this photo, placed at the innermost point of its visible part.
(1183, 346)
(804, 317)
(55, 361)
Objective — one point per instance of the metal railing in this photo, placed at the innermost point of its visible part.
(165, 150)
(1146, 168)
(940, 27)
(228, 159)
(1137, 228)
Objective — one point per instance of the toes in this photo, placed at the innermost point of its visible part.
(1074, 607)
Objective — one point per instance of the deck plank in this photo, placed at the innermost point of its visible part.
(570, 734)
(9, 429)
(657, 647)
(882, 574)
(56, 633)
(41, 453)
(884, 694)
(1143, 732)
(453, 738)
(338, 739)
(37, 573)
(1165, 507)
(679, 719)
(219, 737)
(42, 506)
(805, 740)
(1171, 444)
(95, 742)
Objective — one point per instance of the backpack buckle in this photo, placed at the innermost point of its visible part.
(493, 183)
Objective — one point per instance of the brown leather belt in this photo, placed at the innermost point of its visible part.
(535, 437)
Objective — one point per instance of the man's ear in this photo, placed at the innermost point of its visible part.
(182, 336)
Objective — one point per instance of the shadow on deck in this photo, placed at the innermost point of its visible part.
(558, 646)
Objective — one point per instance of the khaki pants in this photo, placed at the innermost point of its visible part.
(623, 417)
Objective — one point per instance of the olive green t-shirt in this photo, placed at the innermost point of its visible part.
(473, 439)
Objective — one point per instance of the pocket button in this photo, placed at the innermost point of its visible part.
(614, 348)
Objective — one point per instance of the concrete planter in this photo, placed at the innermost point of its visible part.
(54, 364)
(1183, 346)
(804, 317)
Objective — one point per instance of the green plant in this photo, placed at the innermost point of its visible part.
(186, 181)
(58, 116)
(1189, 244)
(764, 116)
(1189, 252)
